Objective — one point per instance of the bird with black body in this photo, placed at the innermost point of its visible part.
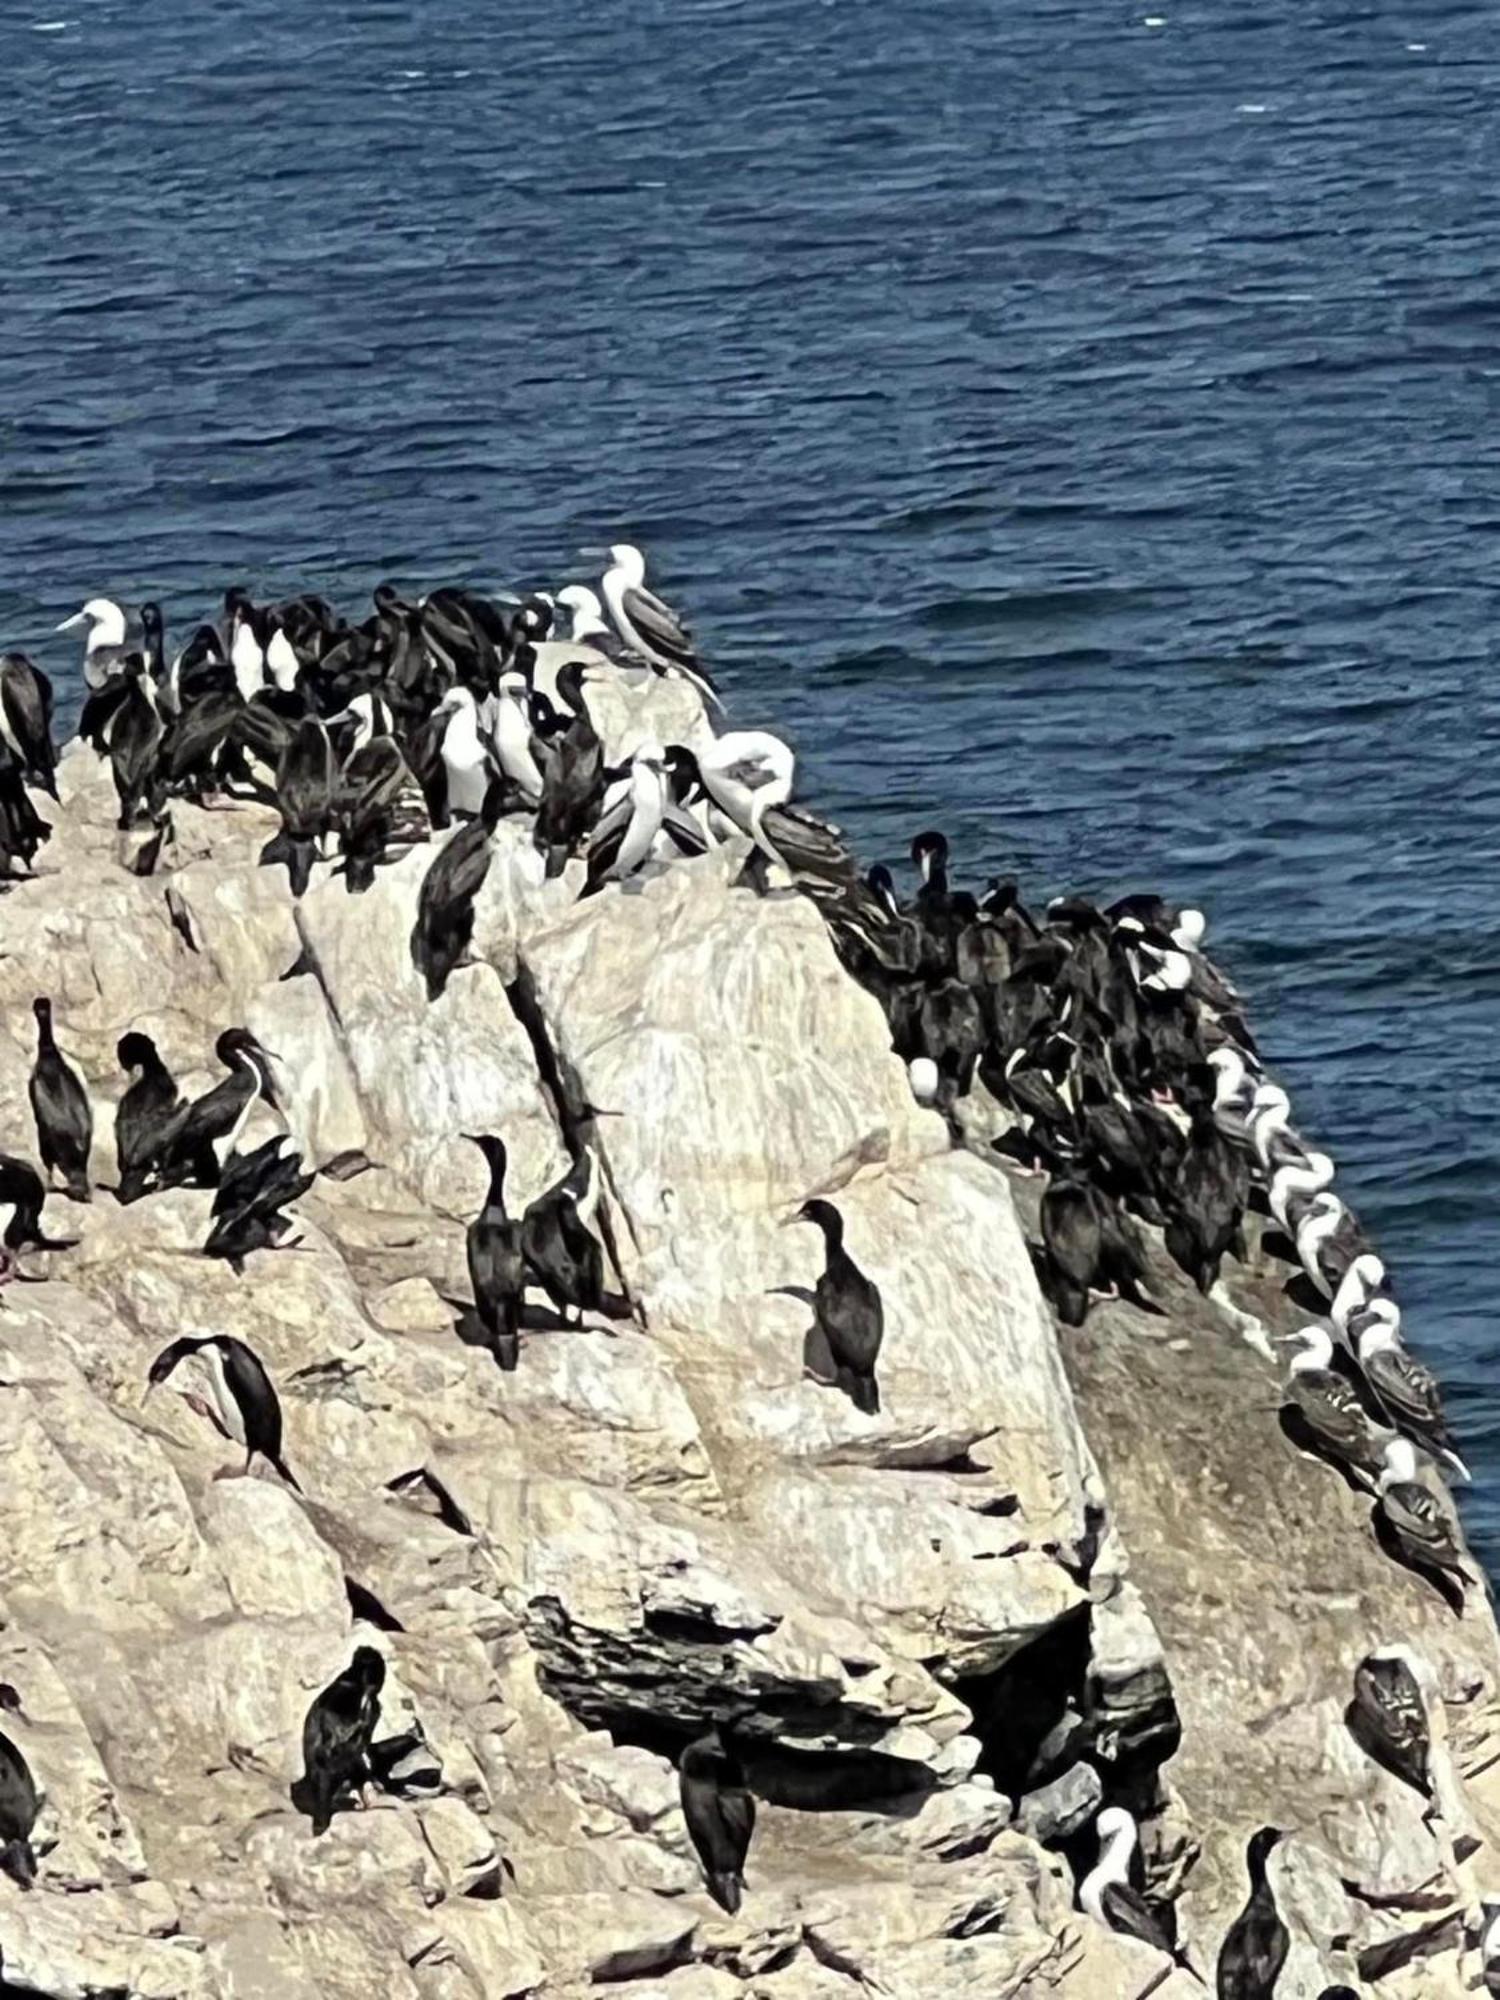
(561, 1252)
(719, 1808)
(848, 1310)
(444, 924)
(253, 1190)
(144, 1116)
(337, 1733)
(26, 721)
(20, 1801)
(241, 1403)
(60, 1105)
(1256, 1944)
(204, 1133)
(572, 764)
(22, 1195)
(497, 1261)
(305, 782)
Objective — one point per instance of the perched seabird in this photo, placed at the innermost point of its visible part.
(20, 1803)
(22, 1195)
(444, 924)
(337, 1733)
(586, 614)
(1362, 1284)
(1329, 1404)
(133, 736)
(847, 1310)
(247, 655)
(465, 760)
(1293, 1185)
(562, 1253)
(1089, 1248)
(1105, 1893)
(572, 776)
(646, 625)
(60, 1105)
(497, 1262)
(1208, 1202)
(105, 644)
(719, 1808)
(144, 1116)
(1271, 1127)
(1419, 1524)
(254, 1188)
(241, 1401)
(305, 787)
(26, 720)
(746, 773)
(1328, 1242)
(1257, 1942)
(1408, 1390)
(512, 737)
(203, 1135)
(1388, 1717)
(626, 833)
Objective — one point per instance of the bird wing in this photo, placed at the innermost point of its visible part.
(1421, 1524)
(659, 626)
(1128, 1912)
(1388, 1695)
(684, 830)
(1406, 1387)
(737, 1811)
(26, 709)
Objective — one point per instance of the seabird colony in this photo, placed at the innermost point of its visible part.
(1116, 1052)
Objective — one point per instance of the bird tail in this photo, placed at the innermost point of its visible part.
(320, 1805)
(726, 1888)
(507, 1351)
(19, 1862)
(286, 1472)
(863, 1391)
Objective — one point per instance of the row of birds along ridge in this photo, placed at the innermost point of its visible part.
(1112, 1052)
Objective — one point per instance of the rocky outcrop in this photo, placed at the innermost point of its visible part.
(1096, 1539)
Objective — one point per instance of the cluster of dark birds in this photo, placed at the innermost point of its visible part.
(1118, 1051)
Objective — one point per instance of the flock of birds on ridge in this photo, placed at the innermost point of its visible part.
(1118, 1050)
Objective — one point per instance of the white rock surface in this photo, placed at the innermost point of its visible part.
(573, 1565)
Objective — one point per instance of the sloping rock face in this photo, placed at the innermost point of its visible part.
(570, 1569)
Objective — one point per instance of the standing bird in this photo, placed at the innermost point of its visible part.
(649, 629)
(60, 1105)
(144, 1116)
(720, 1812)
(1106, 1893)
(1256, 1944)
(625, 835)
(445, 903)
(847, 1310)
(22, 1194)
(243, 1403)
(305, 783)
(19, 1803)
(337, 1731)
(1329, 1405)
(1408, 1390)
(203, 1135)
(106, 640)
(572, 776)
(133, 736)
(497, 1262)
(1416, 1518)
(26, 720)
(1388, 1718)
(561, 1251)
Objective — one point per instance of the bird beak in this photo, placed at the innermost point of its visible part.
(787, 1220)
(68, 623)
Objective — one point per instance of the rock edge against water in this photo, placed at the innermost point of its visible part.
(568, 1569)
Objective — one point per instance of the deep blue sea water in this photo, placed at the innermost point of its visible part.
(1074, 424)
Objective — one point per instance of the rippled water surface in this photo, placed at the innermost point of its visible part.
(1072, 424)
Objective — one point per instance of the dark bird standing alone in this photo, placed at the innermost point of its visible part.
(1256, 1943)
(847, 1310)
(720, 1812)
(60, 1105)
(337, 1732)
